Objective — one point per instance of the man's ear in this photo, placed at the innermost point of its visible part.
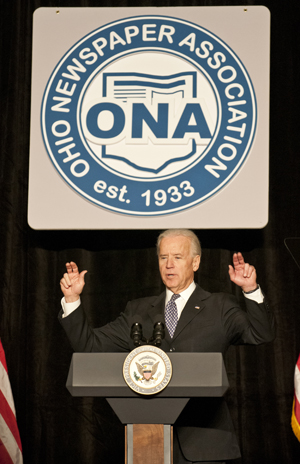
(196, 263)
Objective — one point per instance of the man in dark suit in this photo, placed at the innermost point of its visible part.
(199, 321)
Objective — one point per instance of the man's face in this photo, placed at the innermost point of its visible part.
(176, 264)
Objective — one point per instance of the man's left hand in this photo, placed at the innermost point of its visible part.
(242, 274)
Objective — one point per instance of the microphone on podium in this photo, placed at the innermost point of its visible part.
(158, 330)
(137, 331)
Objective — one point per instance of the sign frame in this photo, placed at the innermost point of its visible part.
(241, 203)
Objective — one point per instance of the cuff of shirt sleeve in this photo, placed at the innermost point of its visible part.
(68, 308)
(257, 295)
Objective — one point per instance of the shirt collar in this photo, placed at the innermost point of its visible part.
(185, 294)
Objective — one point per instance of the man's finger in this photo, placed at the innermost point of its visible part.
(246, 270)
(235, 259)
(64, 283)
(67, 279)
(71, 267)
(74, 266)
(231, 271)
(240, 258)
(82, 274)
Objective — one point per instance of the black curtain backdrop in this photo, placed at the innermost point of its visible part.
(122, 265)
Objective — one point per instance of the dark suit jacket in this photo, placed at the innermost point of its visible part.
(210, 322)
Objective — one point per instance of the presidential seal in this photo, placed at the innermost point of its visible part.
(149, 115)
(147, 370)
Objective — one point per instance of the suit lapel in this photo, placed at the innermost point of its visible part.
(157, 307)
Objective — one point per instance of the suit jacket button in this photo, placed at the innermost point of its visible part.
(171, 349)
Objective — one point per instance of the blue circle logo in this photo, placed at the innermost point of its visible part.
(148, 115)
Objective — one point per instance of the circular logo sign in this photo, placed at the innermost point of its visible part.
(148, 115)
(147, 370)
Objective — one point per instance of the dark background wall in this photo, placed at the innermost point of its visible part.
(55, 427)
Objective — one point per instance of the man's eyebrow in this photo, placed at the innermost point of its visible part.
(167, 254)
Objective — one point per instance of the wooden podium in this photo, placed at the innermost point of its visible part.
(148, 419)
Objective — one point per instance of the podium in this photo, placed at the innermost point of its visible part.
(148, 419)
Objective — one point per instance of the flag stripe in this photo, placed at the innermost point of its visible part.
(297, 408)
(5, 457)
(5, 387)
(2, 357)
(297, 380)
(10, 442)
(9, 418)
(9, 445)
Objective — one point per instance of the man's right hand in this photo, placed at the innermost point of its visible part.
(72, 282)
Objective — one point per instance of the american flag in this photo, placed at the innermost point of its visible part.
(296, 403)
(10, 443)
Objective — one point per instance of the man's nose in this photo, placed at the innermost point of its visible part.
(170, 262)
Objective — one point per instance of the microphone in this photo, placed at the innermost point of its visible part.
(137, 331)
(158, 330)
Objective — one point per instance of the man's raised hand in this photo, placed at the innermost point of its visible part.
(72, 282)
(242, 274)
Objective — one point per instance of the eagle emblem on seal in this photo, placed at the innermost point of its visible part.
(147, 371)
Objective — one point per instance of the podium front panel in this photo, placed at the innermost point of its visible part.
(101, 374)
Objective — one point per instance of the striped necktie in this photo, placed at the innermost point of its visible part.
(171, 315)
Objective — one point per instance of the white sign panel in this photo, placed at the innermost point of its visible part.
(149, 118)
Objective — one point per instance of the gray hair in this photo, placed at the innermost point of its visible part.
(195, 243)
